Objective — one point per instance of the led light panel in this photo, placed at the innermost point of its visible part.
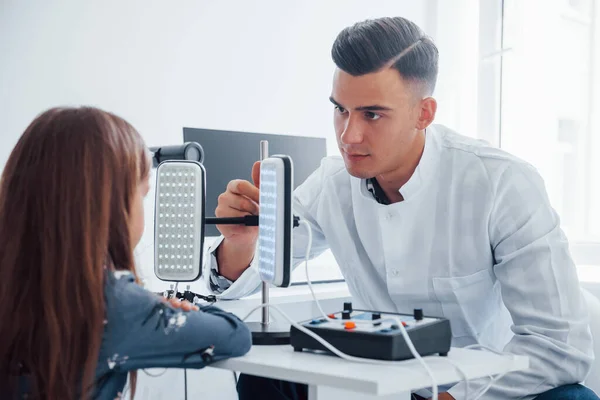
(275, 220)
(179, 221)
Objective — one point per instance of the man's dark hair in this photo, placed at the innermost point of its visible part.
(371, 45)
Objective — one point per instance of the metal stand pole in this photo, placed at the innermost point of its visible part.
(268, 332)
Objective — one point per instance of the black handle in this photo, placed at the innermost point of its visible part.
(248, 220)
(187, 151)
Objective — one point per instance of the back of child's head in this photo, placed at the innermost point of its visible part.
(65, 205)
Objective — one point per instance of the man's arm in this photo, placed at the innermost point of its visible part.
(539, 287)
(249, 281)
(245, 280)
(234, 258)
(236, 251)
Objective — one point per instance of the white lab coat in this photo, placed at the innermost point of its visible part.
(475, 240)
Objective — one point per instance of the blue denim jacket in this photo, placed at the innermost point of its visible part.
(142, 331)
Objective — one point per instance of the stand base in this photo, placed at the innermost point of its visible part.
(269, 335)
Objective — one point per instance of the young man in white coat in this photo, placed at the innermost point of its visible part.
(418, 216)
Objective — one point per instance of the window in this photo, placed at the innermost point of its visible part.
(550, 95)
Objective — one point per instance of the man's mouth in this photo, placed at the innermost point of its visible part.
(355, 156)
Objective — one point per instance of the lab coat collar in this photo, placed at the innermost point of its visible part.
(423, 173)
(426, 168)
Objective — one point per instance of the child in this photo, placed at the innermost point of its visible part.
(74, 321)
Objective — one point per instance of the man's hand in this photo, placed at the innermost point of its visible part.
(236, 251)
(240, 199)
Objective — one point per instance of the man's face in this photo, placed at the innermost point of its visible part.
(376, 121)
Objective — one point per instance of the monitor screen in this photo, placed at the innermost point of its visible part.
(230, 155)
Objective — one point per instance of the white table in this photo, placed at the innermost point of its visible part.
(330, 377)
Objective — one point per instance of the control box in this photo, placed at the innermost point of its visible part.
(381, 338)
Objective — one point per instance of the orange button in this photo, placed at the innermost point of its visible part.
(332, 316)
(404, 324)
(350, 325)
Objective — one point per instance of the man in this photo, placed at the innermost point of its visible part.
(418, 216)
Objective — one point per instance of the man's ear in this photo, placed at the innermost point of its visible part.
(427, 110)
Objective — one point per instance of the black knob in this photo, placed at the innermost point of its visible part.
(348, 306)
(394, 326)
(346, 315)
(418, 314)
(376, 317)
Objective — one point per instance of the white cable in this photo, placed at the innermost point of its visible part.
(492, 380)
(407, 339)
(462, 374)
(340, 354)
(321, 340)
(155, 375)
(306, 258)
(345, 356)
(489, 385)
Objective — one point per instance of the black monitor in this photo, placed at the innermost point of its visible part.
(230, 155)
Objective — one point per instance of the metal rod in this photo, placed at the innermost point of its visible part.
(264, 153)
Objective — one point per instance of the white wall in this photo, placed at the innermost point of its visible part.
(259, 66)
(254, 66)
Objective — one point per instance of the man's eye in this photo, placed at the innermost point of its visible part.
(372, 116)
(341, 110)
